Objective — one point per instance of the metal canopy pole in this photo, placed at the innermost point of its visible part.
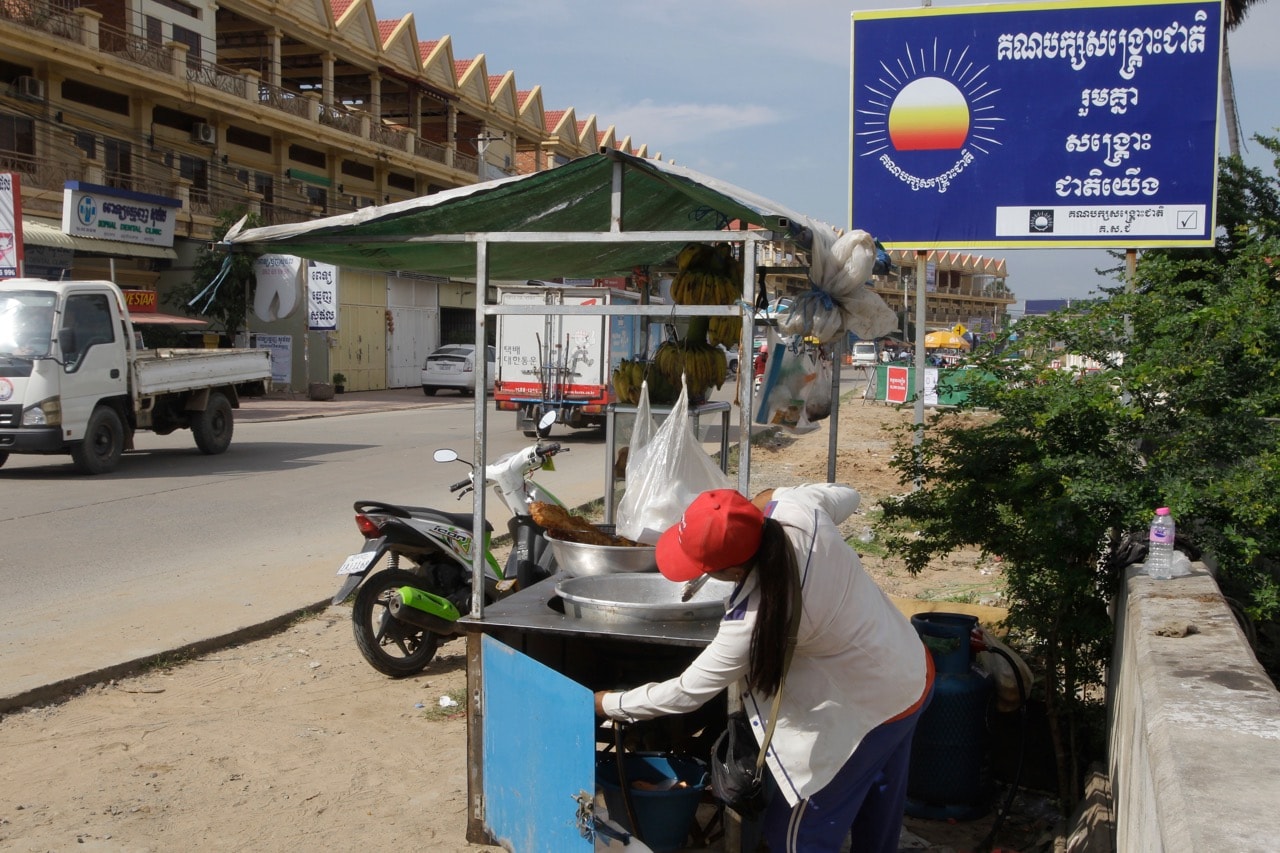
(921, 270)
(478, 544)
(746, 363)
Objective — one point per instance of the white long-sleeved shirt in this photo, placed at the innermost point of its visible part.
(858, 661)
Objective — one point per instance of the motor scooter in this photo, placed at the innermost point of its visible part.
(401, 612)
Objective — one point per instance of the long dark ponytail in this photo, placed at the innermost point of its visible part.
(774, 565)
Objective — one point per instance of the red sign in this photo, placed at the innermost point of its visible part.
(896, 392)
(141, 301)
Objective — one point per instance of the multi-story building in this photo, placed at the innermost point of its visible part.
(960, 288)
(295, 110)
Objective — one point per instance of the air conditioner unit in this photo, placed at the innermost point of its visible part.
(29, 88)
(205, 134)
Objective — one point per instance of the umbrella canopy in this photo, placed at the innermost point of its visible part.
(945, 340)
(436, 233)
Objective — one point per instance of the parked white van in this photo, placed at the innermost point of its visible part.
(864, 354)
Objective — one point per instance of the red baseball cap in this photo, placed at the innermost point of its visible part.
(720, 529)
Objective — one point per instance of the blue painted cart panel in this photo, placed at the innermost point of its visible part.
(538, 750)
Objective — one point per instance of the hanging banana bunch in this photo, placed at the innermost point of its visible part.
(706, 275)
(630, 374)
(703, 364)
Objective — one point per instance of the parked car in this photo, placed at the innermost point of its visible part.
(453, 366)
(730, 358)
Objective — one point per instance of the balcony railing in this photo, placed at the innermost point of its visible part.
(431, 150)
(39, 172)
(466, 162)
(216, 77)
(283, 100)
(340, 118)
(47, 17)
(133, 47)
(389, 135)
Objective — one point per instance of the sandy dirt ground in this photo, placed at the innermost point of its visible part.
(293, 742)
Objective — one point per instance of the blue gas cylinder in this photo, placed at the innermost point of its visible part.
(950, 775)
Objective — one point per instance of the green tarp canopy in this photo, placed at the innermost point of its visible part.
(437, 234)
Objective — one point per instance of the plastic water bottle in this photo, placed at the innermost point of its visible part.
(1160, 545)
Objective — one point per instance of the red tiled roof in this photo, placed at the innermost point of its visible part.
(523, 95)
(385, 29)
(425, 48)
(582, 125)
(551, 118)
(460, 66)
(340, 7)
(494, 81)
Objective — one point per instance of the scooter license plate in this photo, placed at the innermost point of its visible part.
(356, 563)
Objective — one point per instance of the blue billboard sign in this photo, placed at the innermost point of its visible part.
(1055, 124)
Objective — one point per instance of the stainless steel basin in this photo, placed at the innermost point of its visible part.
(640, 597)
(579, 560)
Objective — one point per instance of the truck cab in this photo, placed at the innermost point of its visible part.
(62, 349)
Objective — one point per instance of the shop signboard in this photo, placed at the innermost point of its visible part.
(10, 225)
(896, 386)
(281, 347)
(110, 213)
(322, 297)
(1071, 123)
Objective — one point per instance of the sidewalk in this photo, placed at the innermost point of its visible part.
(294, 405)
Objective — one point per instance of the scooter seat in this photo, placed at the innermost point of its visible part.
(457, 519)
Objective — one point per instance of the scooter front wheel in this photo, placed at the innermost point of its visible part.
(392, 647)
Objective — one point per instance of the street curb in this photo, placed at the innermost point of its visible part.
(67, 688)
(61, 691)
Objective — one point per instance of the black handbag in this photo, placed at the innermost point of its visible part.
(737, 777)
(737, 762)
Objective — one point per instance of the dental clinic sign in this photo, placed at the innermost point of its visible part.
(107, 213)
(1056, 124)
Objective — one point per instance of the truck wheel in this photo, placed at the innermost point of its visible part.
(212, 428)
(429, 390)
(4, 457)
(103, 443)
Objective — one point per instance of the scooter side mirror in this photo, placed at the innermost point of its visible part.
(444, 454)
(548, 419)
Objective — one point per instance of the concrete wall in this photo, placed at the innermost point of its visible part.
(1195, 723)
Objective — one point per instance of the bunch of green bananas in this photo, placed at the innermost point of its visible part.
(726, 331)
(627, 377)
(707, 275)
(701, 287)
(631, 373)
(702, 364)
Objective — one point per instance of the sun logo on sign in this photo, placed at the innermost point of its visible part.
(928, 100)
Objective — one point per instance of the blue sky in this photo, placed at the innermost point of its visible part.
(757, 93)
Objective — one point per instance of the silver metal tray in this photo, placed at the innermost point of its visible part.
(640, 597)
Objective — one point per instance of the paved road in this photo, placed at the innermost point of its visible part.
(176, 548)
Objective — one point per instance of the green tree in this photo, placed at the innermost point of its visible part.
(1056, 472)
(228, 303)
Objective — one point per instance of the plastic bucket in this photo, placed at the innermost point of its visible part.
(664, 816)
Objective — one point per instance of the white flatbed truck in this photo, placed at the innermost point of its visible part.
(73, 380)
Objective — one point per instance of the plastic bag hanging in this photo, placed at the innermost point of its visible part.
(672, 470)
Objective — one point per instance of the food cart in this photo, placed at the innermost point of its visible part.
(533, 660)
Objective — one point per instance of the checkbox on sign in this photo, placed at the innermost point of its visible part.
(1187, 220)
